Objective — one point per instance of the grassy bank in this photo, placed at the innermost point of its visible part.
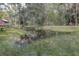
(60, 43)
(64, 44)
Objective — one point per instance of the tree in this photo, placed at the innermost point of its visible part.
(36, 13)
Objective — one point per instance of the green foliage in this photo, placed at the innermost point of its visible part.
(3, 14)
(58, 40)
(32, 15)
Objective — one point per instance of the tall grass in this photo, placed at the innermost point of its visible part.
(64, 44)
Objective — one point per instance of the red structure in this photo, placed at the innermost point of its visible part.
(3, 22)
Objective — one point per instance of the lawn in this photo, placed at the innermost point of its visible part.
(65, 44)
(62, 28)
(9, 31)
(59, 44)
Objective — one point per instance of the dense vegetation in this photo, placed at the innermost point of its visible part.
(39, 29)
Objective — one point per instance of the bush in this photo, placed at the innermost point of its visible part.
(2, 29)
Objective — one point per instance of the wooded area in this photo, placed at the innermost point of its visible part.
(39, 29)
(40, 14)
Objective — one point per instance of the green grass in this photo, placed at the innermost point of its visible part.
(7, 41)
(57, 28)
(66, 44)
(17, 31)
(62, 28)
(12, 31)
